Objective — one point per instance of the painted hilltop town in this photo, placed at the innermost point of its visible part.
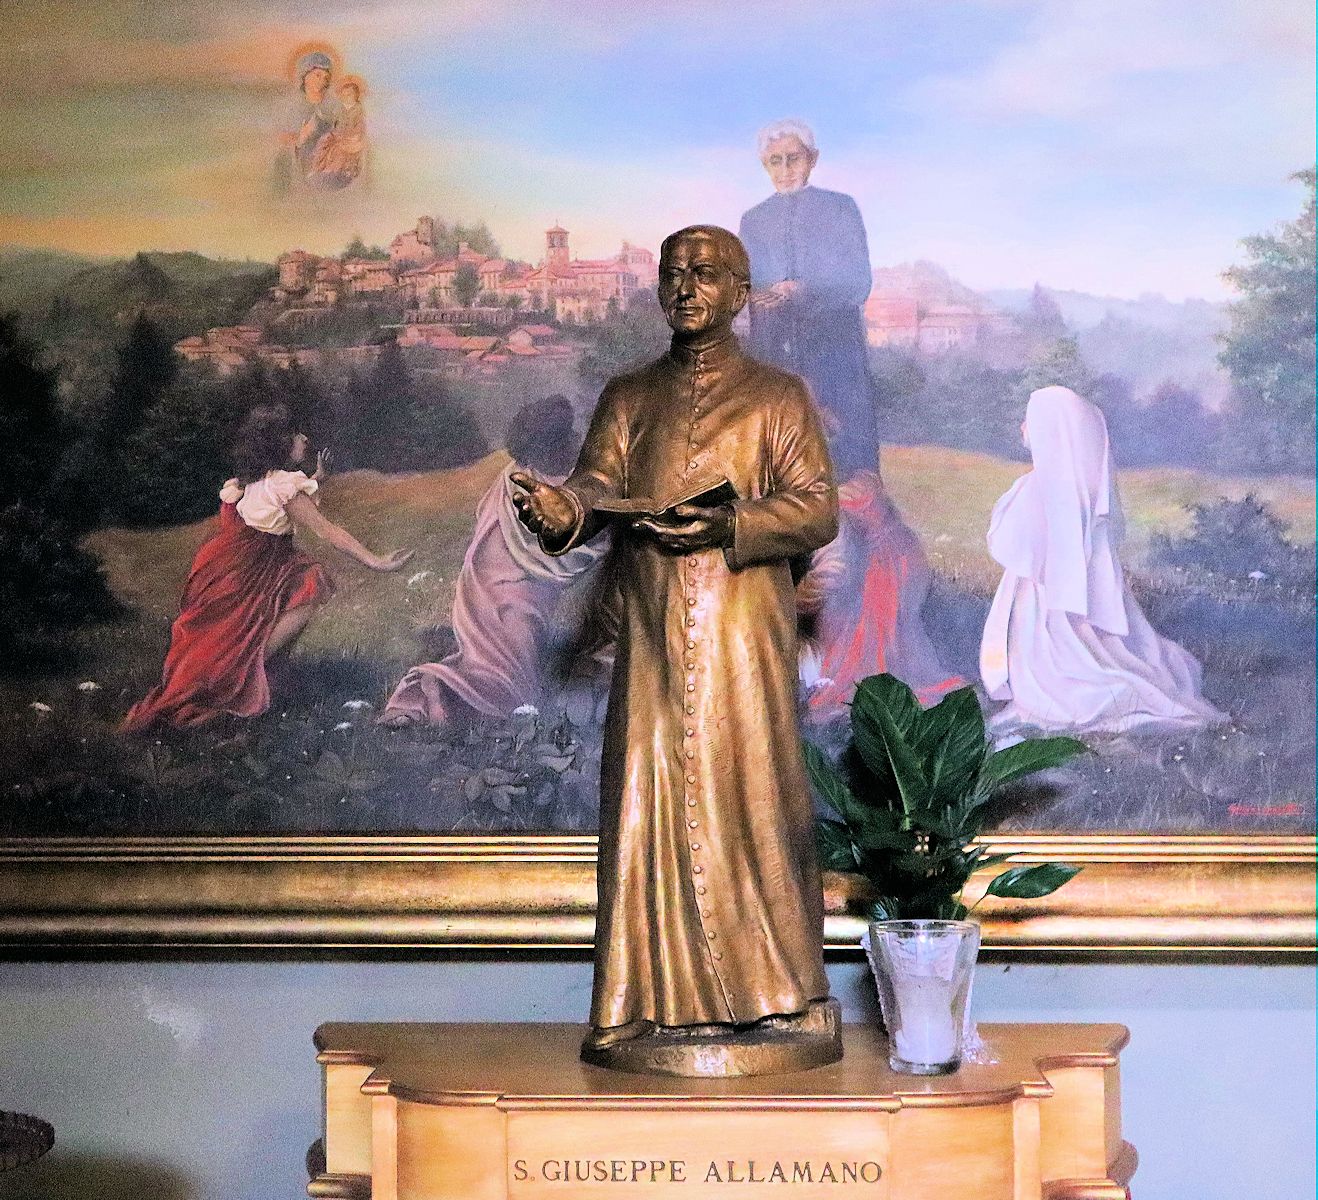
(478, 314)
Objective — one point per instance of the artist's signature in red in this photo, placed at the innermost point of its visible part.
(1264, 810)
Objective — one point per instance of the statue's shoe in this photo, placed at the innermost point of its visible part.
(603, 1039)
(776, 1045)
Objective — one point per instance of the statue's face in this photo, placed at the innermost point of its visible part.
(697, 291)
(789, 163)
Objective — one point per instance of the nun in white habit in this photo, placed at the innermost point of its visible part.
(1066, 645)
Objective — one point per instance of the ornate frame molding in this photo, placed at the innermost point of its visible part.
(1137, 893)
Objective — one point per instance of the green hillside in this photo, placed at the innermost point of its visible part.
(73, 297)
(379, 615)
(946, 495)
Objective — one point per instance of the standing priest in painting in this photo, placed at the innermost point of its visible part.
(710, 907)
(810, 269)
(810, 273)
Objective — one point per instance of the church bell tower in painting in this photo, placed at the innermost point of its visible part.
(556, 247)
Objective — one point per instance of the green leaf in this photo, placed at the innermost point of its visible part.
(830, 785)
(1025, 758)
(868, 826)
(878, 732)
(890, 694)
(954, 760)
(834, 844)
(881, 829)
(958, 710)
(1029, 883)
(885, 908)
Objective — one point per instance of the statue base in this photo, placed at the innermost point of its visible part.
(510, 1112)
(774, 1046)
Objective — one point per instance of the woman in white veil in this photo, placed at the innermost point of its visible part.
(1066, 645)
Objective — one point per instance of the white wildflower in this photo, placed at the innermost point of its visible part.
(526, 710)
(417, 579)
(342, 725)
(89, 685)
(37, 706)
(1258, 576)
(357, 705)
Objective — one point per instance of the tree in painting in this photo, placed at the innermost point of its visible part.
(1270, 347)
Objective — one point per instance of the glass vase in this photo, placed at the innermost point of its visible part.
(923, 970)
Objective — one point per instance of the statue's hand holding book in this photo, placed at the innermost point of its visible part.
(699, 518)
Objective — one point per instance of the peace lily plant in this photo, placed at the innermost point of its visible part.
(911, 795)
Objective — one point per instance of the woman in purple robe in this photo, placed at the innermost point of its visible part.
(508, 594)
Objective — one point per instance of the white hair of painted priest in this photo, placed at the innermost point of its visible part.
(787, 127)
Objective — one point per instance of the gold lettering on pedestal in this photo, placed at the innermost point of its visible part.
(666, 1171)
(635, 1152)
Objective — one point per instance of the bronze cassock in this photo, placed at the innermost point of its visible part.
(710, 907)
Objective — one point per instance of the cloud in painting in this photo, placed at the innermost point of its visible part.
(1121, 147)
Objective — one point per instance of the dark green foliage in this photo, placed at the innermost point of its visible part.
(31, 436)
(172, 467)
(74, 304)
(1242, 542)
(1270, 347)
(624, 340)
(145, 366)
(359, 249)
(953, 399)
(466, 284)
(317, 766)
(49, 586)
(450, 238)
(391, 422)
(301, 393)
(1031, 883)
(145, 279)
(349, 324)
(1042, 320)
(911, 795)
(1055, 363)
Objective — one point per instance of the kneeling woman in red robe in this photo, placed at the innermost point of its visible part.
(251, 591)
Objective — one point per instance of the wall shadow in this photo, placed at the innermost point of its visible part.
(105, 1176)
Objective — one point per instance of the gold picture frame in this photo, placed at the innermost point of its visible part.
(1136, 894)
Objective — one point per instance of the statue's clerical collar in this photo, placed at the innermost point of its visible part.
(712, 347)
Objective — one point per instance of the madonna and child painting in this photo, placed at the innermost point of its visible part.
(266, 447)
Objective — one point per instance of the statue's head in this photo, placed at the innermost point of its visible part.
(704, 279)
(789, 154)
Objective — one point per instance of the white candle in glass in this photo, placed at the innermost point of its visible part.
(926, 1028)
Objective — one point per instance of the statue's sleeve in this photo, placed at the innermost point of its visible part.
(601, 471)
(799, 512)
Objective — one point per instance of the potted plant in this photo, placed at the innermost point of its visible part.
(911, 792)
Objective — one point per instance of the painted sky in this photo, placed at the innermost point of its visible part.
(1114, 146)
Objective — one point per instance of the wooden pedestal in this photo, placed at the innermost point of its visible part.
(509, 1112)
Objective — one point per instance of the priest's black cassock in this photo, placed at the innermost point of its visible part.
(817, 238)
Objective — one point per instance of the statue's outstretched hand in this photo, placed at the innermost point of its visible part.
(544, 508)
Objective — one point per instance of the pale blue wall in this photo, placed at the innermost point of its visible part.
(196, 1080)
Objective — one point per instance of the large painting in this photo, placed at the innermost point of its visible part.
(292, 290)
